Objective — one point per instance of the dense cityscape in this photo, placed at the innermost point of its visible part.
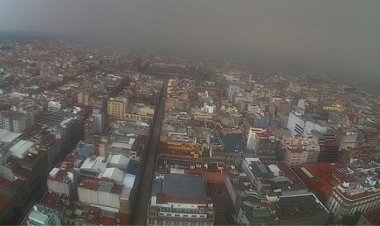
(95, 136)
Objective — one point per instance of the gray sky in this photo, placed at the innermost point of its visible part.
(337, 37)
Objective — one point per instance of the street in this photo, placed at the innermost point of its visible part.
(142, 200)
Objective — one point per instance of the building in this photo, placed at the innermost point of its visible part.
(17, 119)
(105, 183)
(83, 98)
(272, 179)
(295, 157)
(54, 106)
(262, 143)
(370, 218)
(117, 107)
(361, 196)
(52, 145)
(94, 126)
(348, 140)
(67, 126)
(254, 212)
(180, 199)
(42, 215)
(345, 189)
(23, 170)
(291, 210)
(321, 177)
(99, 120)
(71, 131)
(81, 214)
(302, 126)
(329, 147)
(299, 150)
(62, 180)
(301, 210)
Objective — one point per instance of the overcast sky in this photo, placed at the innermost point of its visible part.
(329, 36)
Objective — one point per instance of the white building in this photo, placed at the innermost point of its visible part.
(348, 198)
(251, 138)
(42, 215)
(105, 183)
(299, 125)
(54, 106)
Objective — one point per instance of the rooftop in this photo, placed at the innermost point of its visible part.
(233, 143)
(300, 207)
(6, 136)
(183, 186)
(276, 176)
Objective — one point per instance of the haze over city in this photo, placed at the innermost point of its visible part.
(333, 37)
(189, 112)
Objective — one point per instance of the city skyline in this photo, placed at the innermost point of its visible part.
(201, 112)
(336, 38)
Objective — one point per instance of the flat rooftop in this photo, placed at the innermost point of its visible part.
(182, 186)
(6, 136)
(233, 143)
(300, 207)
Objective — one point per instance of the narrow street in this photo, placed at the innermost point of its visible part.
(142, 200)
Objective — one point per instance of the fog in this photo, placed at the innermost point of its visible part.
(334, 37)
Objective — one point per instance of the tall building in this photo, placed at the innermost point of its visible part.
(94, 126)
(300, 125)
(72, 131)
(18, 119)
(66, 126)
(180, 199)
(299, 150)
(83, 98)
(117, 107)
(262, 143)
(294, 157)
(329, 147)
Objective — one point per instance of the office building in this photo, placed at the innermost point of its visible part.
(117, 107)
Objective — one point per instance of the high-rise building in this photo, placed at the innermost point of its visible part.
(300, 125)
(18, 119)
(329, 147)
(117, 107)
(83, 98)
(299, 150)
(262, 143)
